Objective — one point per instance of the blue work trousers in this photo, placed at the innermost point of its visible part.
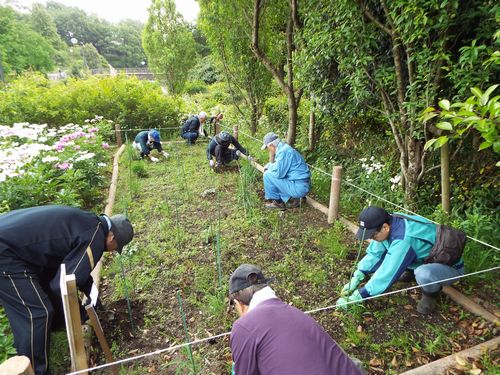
(191, 137)
(431, 272)
(283, 188)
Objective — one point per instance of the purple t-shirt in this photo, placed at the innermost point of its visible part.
(275, 339)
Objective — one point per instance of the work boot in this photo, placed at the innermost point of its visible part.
(428, 303)
(407, 276)
(295, 202)
(276, 204)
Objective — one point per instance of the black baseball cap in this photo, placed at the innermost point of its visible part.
(371, 219)
(122, 230)
(240, 279)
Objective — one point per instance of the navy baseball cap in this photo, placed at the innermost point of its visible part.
(268, 138)
(241, 278)
(370, 220)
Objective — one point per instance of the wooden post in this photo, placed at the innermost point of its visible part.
(18, 365)
(72, 317)
(118, 133)
(312, 128)
(235, 131)
(217, 128)
(333, 207)
(445, 177)
(96, 324)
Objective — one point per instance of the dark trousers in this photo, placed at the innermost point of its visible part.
(30, 313)
(191, 137)
(224, 155)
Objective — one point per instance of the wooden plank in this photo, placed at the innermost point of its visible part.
(470, 305)
(69, 294)
(441, 365)
(96, 324)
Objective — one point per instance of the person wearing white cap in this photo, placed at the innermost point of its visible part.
(287, 178)
(193, 128)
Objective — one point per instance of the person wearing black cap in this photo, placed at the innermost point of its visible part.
(287, 178)
(271, 337)
(399, 247)
(219, 148)
(146, 141)
(34, 242)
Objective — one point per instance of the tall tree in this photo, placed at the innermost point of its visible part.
(230, 40)
(21, 47)
(391, 57)
(169, 44)
(284, 22)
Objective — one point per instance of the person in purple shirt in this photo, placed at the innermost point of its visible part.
(272, 337)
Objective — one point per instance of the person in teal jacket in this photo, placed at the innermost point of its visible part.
(287, 178)
(399, 245)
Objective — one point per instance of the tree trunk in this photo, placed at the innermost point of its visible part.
(413, 169)
(254, 119)
(292, 119)
(312, 129)
(445, 177)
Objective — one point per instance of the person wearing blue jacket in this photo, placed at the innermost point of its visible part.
(219, 148)
(148, 140)
(287, 178)
(400, 243)
(34, 242)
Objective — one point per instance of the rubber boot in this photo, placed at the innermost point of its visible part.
(407, 276)
(428, 303)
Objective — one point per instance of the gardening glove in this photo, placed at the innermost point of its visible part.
(352, 285)
(154, 160)
(211, 163)
(165, 154)
(342, 301)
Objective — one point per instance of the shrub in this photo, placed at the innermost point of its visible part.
(41, 165)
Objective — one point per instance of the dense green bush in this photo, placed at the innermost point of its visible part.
(134, 104)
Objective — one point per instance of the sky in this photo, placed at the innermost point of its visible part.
(117, 10)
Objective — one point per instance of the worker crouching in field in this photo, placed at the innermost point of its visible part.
(34, 242)
(219, 148)
(193, 128)
(273, 338)
(287, 178)
(404, 246)
(146, 141)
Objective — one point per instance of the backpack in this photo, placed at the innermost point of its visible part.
(449, 245)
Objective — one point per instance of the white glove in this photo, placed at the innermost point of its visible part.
(166, 154)
(211, 163)
(154, 160)
(249, 158)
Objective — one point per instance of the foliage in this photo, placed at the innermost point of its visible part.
(169, 44)
(21, 47)
(7, 349)
(479, 112)
(43, 165)
(132, 103)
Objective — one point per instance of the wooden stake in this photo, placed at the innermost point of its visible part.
(333, 208)
(118, 134)
(235, 131)
(71, 306)
(18, 365)
(96, 324)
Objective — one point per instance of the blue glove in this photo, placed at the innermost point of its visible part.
(352, 285)
(342, 302)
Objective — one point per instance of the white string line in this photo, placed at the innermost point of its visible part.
(383, 199)
(159, 351)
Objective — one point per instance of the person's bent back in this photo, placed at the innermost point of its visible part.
(272, 337)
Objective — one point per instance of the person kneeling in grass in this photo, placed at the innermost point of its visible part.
(219, 148)
(401, 249)
(146, 141)
(287, 178)
(271, 337)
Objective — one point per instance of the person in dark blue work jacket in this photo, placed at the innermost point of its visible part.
(193, 128)
(34, 242)
(146, 141)
(219, 148)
